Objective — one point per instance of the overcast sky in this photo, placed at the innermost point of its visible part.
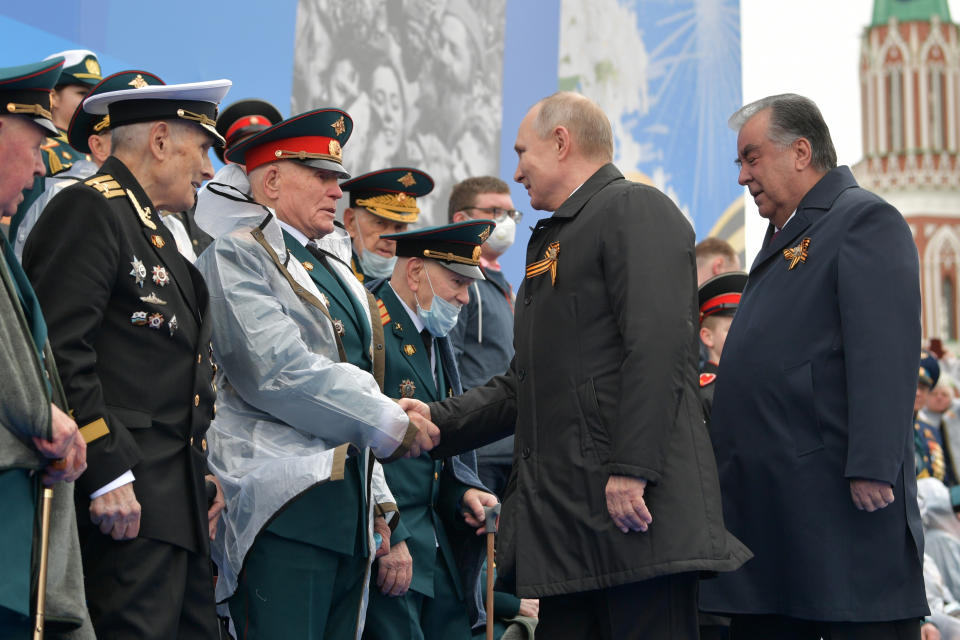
(811, 48)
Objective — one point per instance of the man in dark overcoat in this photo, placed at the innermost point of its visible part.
(129, 329)
(812, 415)
(613, 505)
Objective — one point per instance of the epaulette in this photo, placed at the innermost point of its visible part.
(384, 314)
(54, 164)
(106, 185)
(707, 378)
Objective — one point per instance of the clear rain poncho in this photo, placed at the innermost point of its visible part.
(286, 405)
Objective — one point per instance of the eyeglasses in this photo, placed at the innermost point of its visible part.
(499, 215)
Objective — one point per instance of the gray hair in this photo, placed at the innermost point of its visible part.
(582, 117)
(135, 136)
(792, 117)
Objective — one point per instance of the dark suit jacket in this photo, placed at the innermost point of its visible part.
(150, 387)
(816, 387)
(604, 382)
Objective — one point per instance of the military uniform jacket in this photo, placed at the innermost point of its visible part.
(819, 379)
(428, 492)
(126, 318)
(604, 382)
(708, 380)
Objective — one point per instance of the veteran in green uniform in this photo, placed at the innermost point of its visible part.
(34, 427)
(381, 202)
(439, 500)
(301, 415)
(78, 75)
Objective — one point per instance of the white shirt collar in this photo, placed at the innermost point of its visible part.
(787, 222)
(417, 322)
(296, 233)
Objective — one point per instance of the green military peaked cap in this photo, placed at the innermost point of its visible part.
(456, 246)
(244, 118)
(25, 91)
(83, 124)
(314, 138)
(79, 67)
(390, 193)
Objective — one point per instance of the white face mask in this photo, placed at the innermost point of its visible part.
(502, 237)
(442, 316)
(372, 263)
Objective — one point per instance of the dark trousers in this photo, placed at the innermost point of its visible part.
(142, 589)
(746, 627)
(663, 608)
(291, 589)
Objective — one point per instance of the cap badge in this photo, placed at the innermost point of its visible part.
(335, 149)
(408, 180)
(476, 253)
(157, 241)
(484, 234)
(155, 320)
(139, 272)
(797, 254)
(92, 66)
(549, 263)
(407, 388)
(160, 276)
(153, 299)
(138, 82)
(339, 126)
(409, 349)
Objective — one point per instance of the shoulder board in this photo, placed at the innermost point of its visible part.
(707, 378)
(106, 185)
(384, 315)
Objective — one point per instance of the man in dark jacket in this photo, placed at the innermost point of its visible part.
(811, 421)
(613, 506)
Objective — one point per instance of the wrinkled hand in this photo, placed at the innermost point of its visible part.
(380, 526)
(213, 513)
(929, 631)
(428, 435)
(67, 448)
(473, 503)
(117, 513)
(870, 495)
(396, 571)
(625, 503)
(529, 607)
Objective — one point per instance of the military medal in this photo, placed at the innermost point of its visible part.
(338, 327)
(139, 272)
(797, 254)
(160, 276)
(157, 241)
(409, 349)
(155, 320)
(139, 318)
(407, 388)
(173, 325)
(308, 265)
(153, 299)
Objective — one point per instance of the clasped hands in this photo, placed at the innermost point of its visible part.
(428, 435)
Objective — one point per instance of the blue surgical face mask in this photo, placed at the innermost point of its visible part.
(441, 317)
(372, 263)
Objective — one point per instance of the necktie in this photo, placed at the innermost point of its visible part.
(427, 338)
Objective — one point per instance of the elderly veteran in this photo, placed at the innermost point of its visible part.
(381, 202)
(88, 134)
(419, 306)
(34, 428)
(130, 330)
(301, 419)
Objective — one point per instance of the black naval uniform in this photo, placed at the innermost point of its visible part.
(126, 315)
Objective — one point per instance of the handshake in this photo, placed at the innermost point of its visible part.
(428, 435)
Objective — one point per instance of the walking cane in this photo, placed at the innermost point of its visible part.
(490, 528)
(44, 548)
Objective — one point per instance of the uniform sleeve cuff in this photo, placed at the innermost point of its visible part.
(125, 478)
(405, 445)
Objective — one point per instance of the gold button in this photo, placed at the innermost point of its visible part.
(203, 444)
(191, 441)
(199, 358)
(196, 400)
(435, 475)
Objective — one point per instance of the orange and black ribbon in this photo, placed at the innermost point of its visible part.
(549, 263)
(797, 254)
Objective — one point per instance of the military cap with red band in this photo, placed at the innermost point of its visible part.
(721, 294)
(244, 118)
(314, 138)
